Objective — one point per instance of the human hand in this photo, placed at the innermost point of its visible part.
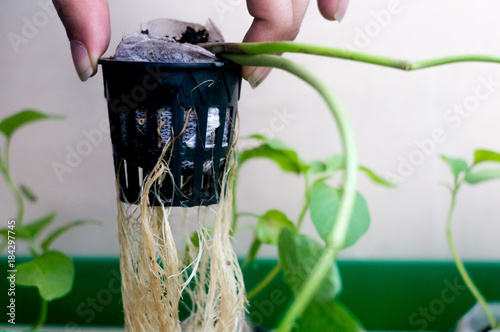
(88, 28)
(276, 20)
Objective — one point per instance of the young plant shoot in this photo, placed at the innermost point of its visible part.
(51, 271)
(463, 173)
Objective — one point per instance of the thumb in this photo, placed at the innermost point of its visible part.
(88, 28)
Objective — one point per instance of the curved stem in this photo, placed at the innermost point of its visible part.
(337, 235)
(264, 282)
(42, 317)
(19, 199)
(302, 214)
(460, 265)
(292, 47)
(5, 170)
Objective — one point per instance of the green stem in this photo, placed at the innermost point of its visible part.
(292, 47)
(42, 317)
(15, 190)
(276, 269)
(338, 233)
(263, 284)
(234, 223)
(460, 265)
(305, 207)
(248, 214)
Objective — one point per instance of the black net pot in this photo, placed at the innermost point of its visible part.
(189, 106)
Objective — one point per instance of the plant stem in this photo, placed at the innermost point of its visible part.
(277, 268)
(460, 265)
(5, 170)
(305, 207)
(234, 223)
(248, 214)
(292, 47)
(42, 317)
(264, 282)
(337, 235)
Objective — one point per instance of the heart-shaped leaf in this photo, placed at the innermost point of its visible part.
(325, 202)
(298, 255)
(52, 273)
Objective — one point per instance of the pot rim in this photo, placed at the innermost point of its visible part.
(189, 65)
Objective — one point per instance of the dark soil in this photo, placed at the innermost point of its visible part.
(192, 36)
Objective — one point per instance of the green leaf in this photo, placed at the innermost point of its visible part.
(274, 143)
(486, 155)
(319, 171)
(4, 232)
(30, 231)
(64, 228)
(325, 202)
(275, 150)
(298, 255)
(28, 193)
(376, 178)
(457, 166)
(10, 124)
(331, 315)
(270, 225)
(482, 175)
(195, 239)
(335, 163)
(52, 273)
(315, 167)
(323, 171)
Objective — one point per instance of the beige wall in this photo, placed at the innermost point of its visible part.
(389, 110)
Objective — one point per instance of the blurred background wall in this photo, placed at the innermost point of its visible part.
(394, 115)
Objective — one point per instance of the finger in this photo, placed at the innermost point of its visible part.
(299, 11)
(88, 28)
(333, 9)
(273, 20)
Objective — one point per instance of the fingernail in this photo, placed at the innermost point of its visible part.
(341, 9)
(258, 76)
(81, 60)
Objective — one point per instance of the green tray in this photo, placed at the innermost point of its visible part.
(384, 295)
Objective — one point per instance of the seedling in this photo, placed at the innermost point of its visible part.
(51, 271)
(298, 253)
(464, 173)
